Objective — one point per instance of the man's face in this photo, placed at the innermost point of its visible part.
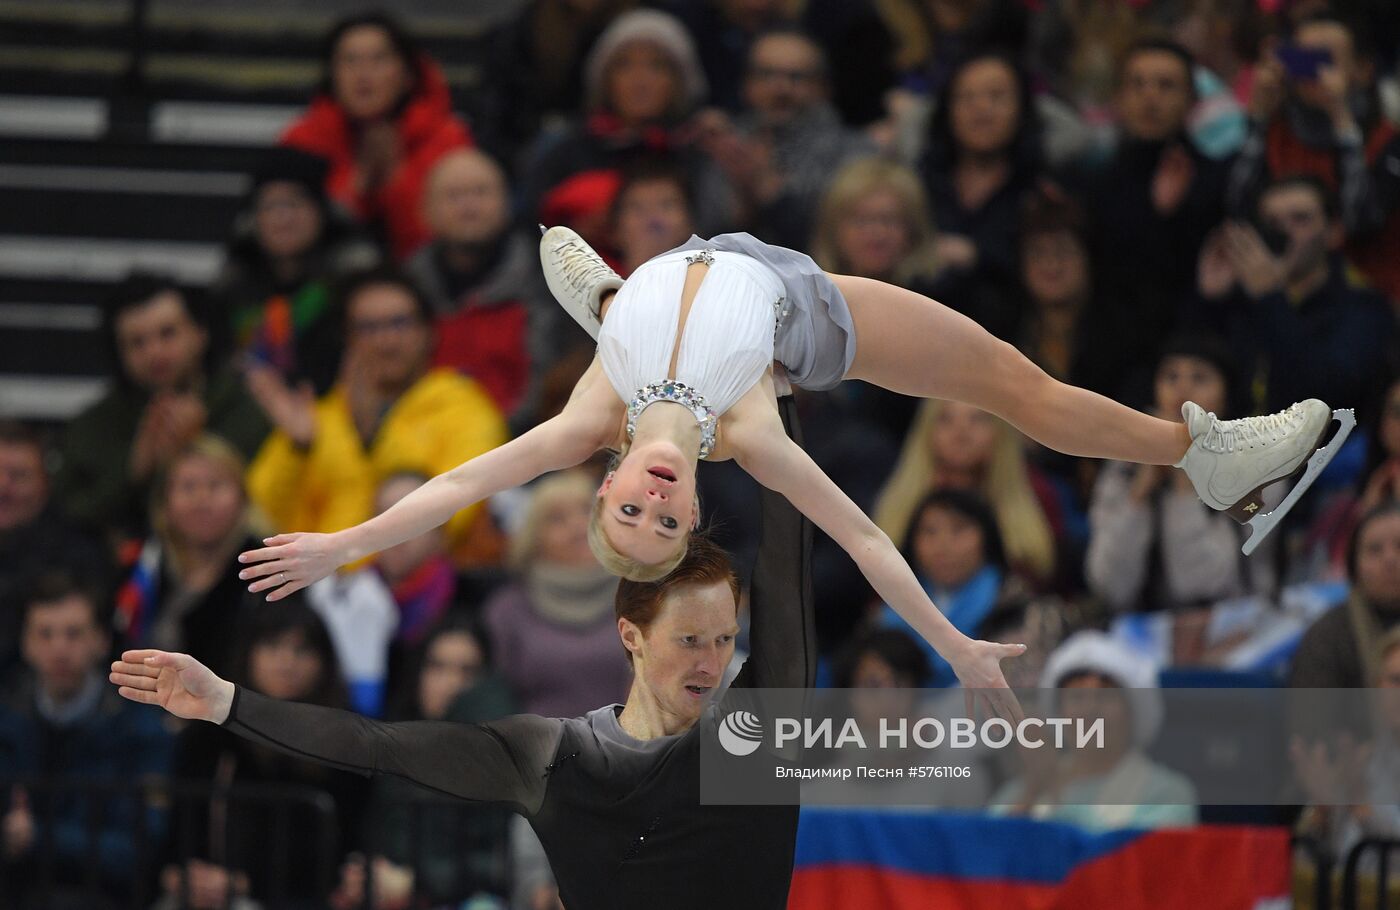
(287, 218)
(62, 644)
(1155, 96)
(160, 344)
(681, 657)
(1335, 39)
(1299, 213)
(24, 486)
(784, 78)
(467, 201)
(390, 335)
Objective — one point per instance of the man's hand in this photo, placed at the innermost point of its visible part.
(211, 886)
(545, 897)
(176, 682)
(393, 885)
(1215, 271)
(1172, 180)
(185, 418)
(746, 160)
(1260, 272)
(149, 443)
(1334, 84)
(291, 411)
(955, 251)
(781, 384)
(169, 423)
(1269, 87)
(18, 826)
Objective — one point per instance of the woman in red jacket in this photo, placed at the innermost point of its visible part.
(382, 118)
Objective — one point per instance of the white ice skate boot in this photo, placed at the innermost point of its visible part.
(577, 276)
(1230, 462)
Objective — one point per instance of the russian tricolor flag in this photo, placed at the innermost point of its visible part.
(884, 860)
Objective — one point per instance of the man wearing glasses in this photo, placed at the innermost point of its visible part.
(390, 410)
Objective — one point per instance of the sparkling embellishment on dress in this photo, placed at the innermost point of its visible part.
(681, 394)
(706, 256)
(780, 312)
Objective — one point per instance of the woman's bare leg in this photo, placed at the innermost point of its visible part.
(911, 344)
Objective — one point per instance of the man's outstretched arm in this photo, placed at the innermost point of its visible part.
(502, 761)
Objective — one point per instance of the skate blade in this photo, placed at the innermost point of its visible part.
(1262, 524)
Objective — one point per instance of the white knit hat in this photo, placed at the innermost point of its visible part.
(654, 27)
(1092, 651)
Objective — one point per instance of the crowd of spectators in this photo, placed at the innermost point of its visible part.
(1161, 201)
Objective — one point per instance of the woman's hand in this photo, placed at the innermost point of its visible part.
(377, 155)
(978, 666)
(1382, 486)
(291, 562)
(176, 682)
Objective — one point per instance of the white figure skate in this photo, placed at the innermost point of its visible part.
(1230, 462)
(577, 276)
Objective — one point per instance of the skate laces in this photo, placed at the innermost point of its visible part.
(1247, 432)
(580, 266)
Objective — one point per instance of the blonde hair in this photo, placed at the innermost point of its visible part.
(1006, 484)
(548, 493)
(222, 453)
(855, 182)
(1105, 32)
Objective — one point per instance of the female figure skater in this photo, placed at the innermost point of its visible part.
(697, 330)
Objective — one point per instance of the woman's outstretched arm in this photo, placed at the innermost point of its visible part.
(781, 465)
(502, 761)
(293, 561)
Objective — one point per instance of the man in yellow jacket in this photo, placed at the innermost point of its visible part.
(388, 412)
